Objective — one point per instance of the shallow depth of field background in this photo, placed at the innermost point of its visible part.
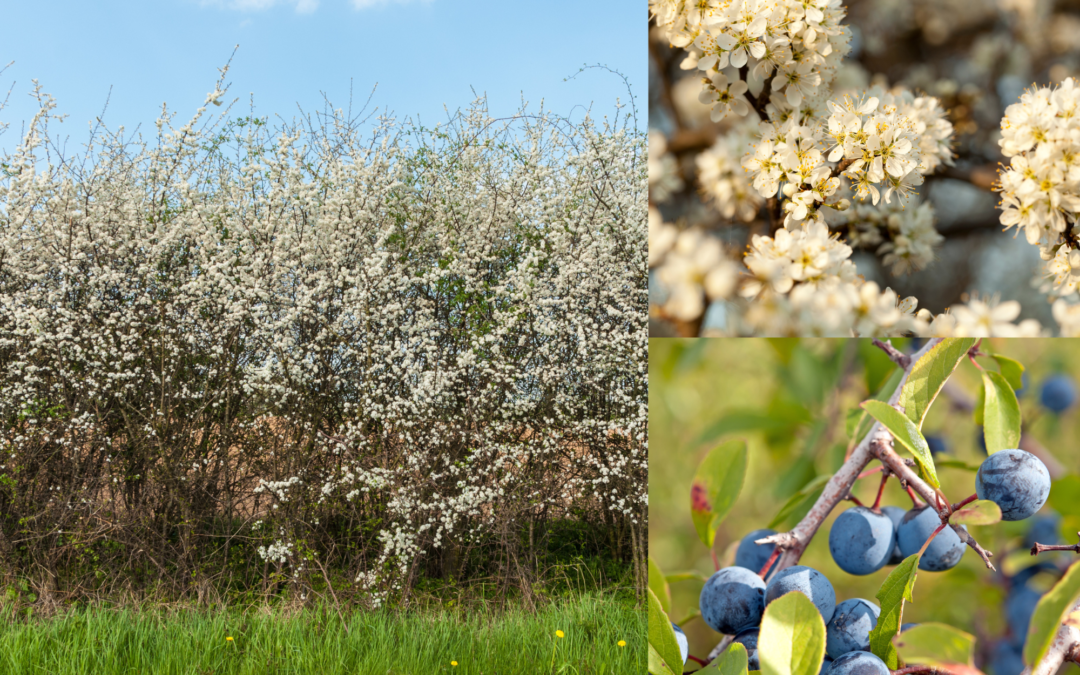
(977, 57)
(694, 383)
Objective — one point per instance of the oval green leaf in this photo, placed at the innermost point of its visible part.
(658, 585)
(1001, 413)
(978, 512)
(792, 637)
(929, 374)
(1012, 370)
(716, 486)
(1049, 615)
(935, 644)
(897, 588)
(733, 661)
(907, 434)
(662, 639)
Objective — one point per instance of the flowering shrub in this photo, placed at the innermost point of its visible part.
(831, 166)
(316, 346)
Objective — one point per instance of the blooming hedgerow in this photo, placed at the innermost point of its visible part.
(415, 338)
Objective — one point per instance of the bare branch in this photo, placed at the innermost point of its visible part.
(966, 537)
(1042, 548)
(898, 357)
(838, 488)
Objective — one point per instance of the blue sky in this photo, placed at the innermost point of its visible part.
(422, 53)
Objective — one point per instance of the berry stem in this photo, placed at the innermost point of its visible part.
(960, 505)
(881, 489)
(769, 562)
(697, 660)
(871, 472)
(715, 560)
(931, 538)
(914, 499)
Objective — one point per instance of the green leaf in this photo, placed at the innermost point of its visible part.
(884, 394)
(907, 434)
(978, 512)
(1001, 413)
(804, 497)
(935, 644)
(792, 637)
(1049, 614)
(896, 589)
(662, 640)
(732, 661)
(716, 486)
(1012, 370)
(739, 421)
(1065, 495)
(929, 374)
(659, 586)
(657, 665)
(980, 403)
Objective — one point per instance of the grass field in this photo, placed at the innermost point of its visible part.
(189, 642)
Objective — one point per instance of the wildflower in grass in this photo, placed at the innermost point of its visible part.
(558, 634)
(622, 643)
(228, 638)
(454, 664)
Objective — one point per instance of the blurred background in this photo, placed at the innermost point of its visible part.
(977, 57)
(789, 398)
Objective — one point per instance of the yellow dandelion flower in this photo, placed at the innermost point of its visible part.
(453, 663)
(622, 643)
(228, 639)
(559, 633)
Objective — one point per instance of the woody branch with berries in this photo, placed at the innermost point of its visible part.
(778, 616)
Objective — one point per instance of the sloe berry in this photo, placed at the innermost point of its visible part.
(754, 556)
(1058, 393)
(850, 627)
(732, 599)
(1016, 481)
(916, 527)
(807, 581)
(861, 541)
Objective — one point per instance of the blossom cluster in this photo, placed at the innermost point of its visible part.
(793, 46)
(1040, 189)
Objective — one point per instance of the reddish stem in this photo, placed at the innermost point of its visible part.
(770, 561)
(870, 472)
(931, 538)
(694, 658)
(910, 670)
(855, 499)
(914, 499)
(715, 560)
(964, 503)
(880, 491)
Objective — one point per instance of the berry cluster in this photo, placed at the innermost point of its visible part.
(862, 541)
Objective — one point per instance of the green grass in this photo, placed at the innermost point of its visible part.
(104, 641)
